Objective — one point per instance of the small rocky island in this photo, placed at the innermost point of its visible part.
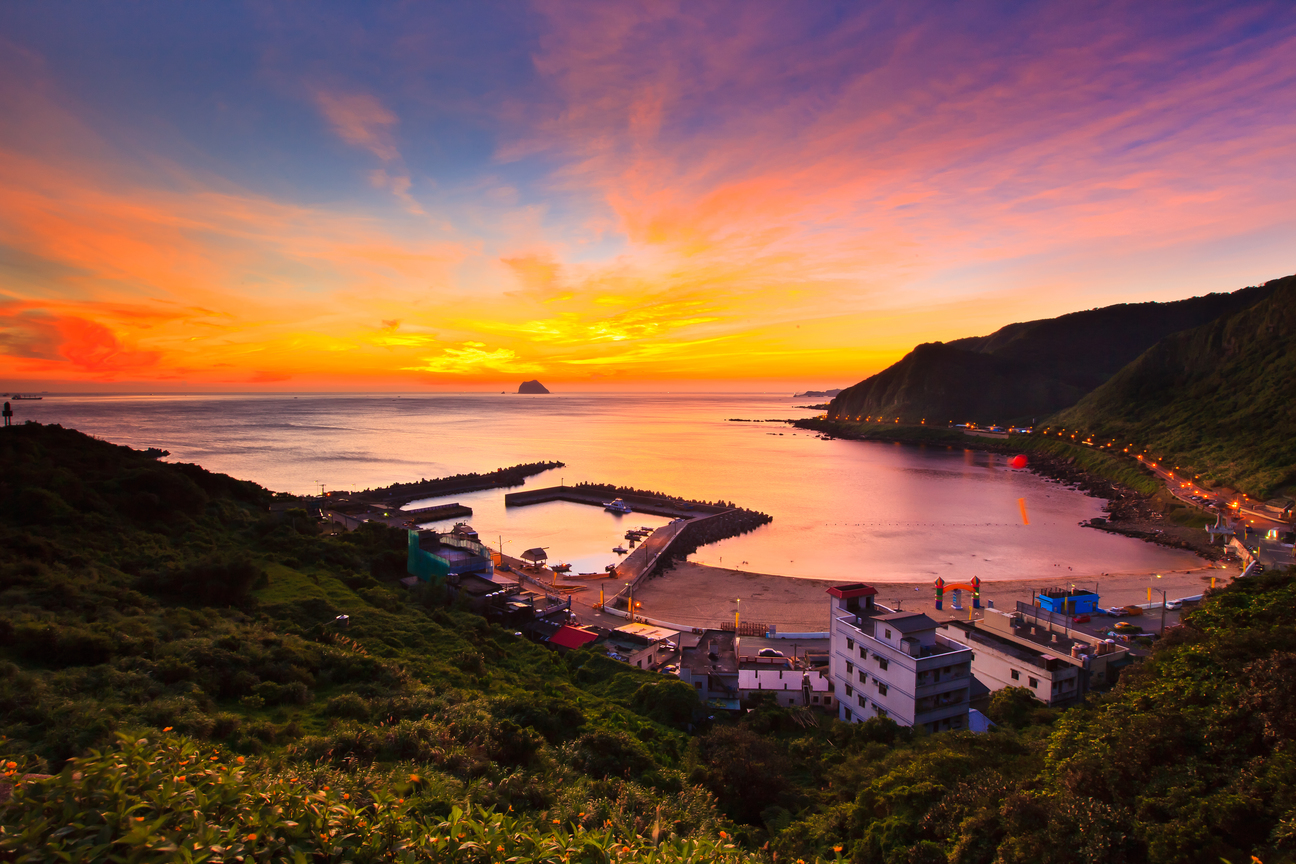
(532, 387)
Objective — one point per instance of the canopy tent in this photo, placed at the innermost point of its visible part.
(535, 555)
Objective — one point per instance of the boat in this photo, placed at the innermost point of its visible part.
(617, 506)
(620, 550)
(632, 536)
(463, 529)
(611, 568)
(560, 568)
(19, 397)
(645, 529)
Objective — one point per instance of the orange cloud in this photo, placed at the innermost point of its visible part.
(360, 120)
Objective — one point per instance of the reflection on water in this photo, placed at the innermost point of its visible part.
(842, 510)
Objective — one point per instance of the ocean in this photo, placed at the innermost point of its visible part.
(845, 510)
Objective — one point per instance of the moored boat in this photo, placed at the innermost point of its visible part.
(617, 506)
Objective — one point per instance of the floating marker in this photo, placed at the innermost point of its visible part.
(1021, 502)
(1018, 461)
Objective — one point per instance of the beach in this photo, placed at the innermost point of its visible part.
(702, 596)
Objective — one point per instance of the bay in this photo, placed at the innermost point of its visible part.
(844, 510)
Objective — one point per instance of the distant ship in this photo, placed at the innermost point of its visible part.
(617, 506)
(18, 396)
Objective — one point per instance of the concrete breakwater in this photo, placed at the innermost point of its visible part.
(402, 493)
(598, 494)
(712, 529)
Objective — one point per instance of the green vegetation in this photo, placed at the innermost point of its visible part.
(1024, 372)
(1217, 400)
(167, 651)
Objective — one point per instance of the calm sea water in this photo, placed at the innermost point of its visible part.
(842, 509)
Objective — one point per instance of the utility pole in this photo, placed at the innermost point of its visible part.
(1163, 611)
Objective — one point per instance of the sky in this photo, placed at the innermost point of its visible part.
(461, 196)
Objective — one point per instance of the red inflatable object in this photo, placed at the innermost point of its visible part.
(1018, 461)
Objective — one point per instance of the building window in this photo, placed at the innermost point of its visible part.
(881, 712)
(697, 684)
(850, 667)
(849, 690)
(1016, 676)
(958, 723)
(863, 679)
(860, 700)
(888, 634)
(814, 700)
(882, 664)
(881, 688)
(850, 644)
(1033, 682)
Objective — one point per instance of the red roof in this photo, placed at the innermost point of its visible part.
(855, 589)
(572, 637)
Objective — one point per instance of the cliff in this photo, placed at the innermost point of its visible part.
(1220, 398)
(1026, 371)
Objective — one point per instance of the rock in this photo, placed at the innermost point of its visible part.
(532, 387)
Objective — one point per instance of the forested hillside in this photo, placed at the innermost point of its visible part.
(1025, 372)
(1220, 398)
(166, 652)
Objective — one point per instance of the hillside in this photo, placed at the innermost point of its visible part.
(1026, 371)
(1220, 398)
(171, 635)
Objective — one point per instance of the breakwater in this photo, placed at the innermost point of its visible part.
(712, 529)
(597, 494)
(402, 493)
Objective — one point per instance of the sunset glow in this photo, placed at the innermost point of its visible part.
(221, 196)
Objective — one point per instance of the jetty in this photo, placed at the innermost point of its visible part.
(399, 494)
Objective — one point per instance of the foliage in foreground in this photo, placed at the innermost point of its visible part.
(175, 801)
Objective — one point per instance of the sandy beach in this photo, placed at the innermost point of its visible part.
(699, 595)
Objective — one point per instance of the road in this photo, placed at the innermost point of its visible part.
(1212, 503)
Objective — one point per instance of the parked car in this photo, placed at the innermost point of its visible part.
(769, 652)
(1082, 618)
(1174, 604)
(1116, 611)
(1128, 627)
(1133, 610)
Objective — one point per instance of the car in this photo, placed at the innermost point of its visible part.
(1116, 611)
(1174, 604)
(769, 652)
(672, 669)
(1128, 627)
(1082, 618)
(1133, 610)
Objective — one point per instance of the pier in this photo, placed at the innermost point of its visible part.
(642, 502)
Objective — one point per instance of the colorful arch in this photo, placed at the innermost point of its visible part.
(974, 586)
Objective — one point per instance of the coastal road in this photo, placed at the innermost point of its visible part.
(1211, 503)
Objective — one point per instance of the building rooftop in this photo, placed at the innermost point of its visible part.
(854, 589)
(572, 637)
(1025, 653)
(715, 652)
(646, 632)
(907, 622)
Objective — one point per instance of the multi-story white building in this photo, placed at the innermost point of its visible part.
(894, 664)
(791, 687)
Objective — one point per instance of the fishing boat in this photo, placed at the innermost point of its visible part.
(620, 550)
(560, 568)
(463, 529)
(617, 506)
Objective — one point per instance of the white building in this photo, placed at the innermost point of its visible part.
(894, 664)
(791, 687)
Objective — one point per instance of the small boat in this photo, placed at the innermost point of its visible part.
(620, 550)
(463, 529)
(617, 506)
(611, 568)
(560, 568)
(645, 529)
(632, 536)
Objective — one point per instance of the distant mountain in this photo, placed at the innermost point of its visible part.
(817, 393)
(1220, 397)
(1027, 371)
(532, 387)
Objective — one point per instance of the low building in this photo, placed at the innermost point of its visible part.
(709, 663)
(569, 637)
(1056, 663)
(791, 687)
(1068, 601)
(433, 556)
(884, 663)
(643, 646)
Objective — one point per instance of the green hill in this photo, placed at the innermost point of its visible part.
(1219, 399)
(1024, 372)
(166, 654)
